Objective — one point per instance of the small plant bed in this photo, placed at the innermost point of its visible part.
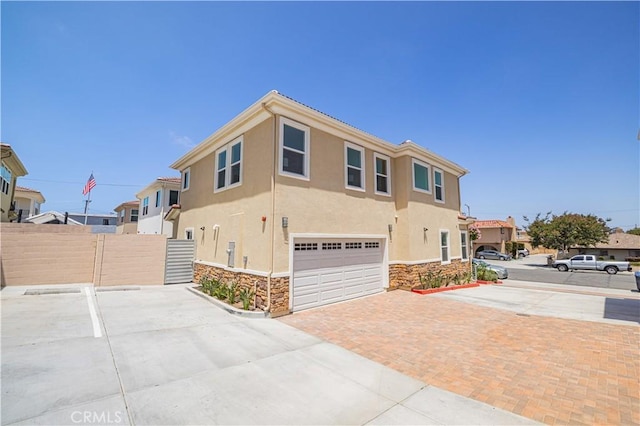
(435, 282)
(439, 289)
(230, 294)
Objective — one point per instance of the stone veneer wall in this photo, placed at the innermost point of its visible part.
(405, 277)
(279, 286)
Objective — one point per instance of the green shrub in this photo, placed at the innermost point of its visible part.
(246, 297)
(232, 292)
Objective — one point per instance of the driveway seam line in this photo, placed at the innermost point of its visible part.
(113, 359)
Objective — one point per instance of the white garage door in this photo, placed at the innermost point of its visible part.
(333, 269)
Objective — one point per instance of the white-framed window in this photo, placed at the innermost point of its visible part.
(444, 246)
(145, 206)
(158, 197)
(186, 179)
(294, 149)
(421, 172)
(229, 166)
(188, 234)
(134, 215)
(438, 185)
(382, 165)
(5, 178)
(353, 166)
(464, 245)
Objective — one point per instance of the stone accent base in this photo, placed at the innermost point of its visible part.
(257, 283)
(406, 277)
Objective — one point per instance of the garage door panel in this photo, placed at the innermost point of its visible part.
(329, 270)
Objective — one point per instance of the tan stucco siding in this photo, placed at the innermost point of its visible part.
(237, 211)
(425, 245)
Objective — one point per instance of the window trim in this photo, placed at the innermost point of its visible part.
(413, 175)
(448, 246)
(435, 196)
(347, 146)
(228, 148)
(465, 245)
(185, 172)
(186, 237)
(307, 149)
(377, 155)
(145, 206)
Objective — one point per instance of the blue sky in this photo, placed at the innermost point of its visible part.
(538, 100)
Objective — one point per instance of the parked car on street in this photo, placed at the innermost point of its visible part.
(492, 254)
(500, 270)
(523, 253)
(589, 262)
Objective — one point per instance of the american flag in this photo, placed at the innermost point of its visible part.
(89, 186)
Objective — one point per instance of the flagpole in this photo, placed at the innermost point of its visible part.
(86, 206)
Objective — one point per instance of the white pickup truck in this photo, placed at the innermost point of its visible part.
(589, 262)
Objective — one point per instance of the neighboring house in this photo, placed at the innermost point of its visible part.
(307, 210)
(127, 214)
(155, 201)
(100, 223)
(53, 218)
(494, 234)
(621, 246)
(27, 202)
(10, 169)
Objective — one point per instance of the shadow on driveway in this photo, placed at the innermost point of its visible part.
(622, 309)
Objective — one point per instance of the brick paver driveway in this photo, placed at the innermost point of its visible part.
(556, 371)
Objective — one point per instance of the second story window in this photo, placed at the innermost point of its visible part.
(294, 149)
(5, 177)
(158, 197)
(438, 185)
(173, 197)
(354, 170)
(421, 177)
(383, 185)
(121, 216)
(186, 179)
(229, 165)
(145, 206)
(134, 215)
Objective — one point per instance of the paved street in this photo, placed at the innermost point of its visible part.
(534, 268)
(540, 351)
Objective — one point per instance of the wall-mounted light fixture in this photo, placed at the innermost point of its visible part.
(390, 228)
(202, 228)
(285, 222)
(425, 229)
(264, 218)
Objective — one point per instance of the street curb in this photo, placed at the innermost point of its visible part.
(229, 309)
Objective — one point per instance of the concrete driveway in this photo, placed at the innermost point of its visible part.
(164, 356)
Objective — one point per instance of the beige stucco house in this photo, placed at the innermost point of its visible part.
(621, 246)
(308, 210)
(27, 202)
(10, 169)
(127, 214)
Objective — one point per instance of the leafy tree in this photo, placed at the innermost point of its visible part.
(634, 231)
(567, 230)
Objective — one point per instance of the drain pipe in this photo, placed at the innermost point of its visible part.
(272, 229)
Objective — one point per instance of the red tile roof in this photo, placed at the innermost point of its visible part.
(170, 179)
(25, 189)
(492, 224)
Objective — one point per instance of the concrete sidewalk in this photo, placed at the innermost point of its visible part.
(604, 305)
(163, 356)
